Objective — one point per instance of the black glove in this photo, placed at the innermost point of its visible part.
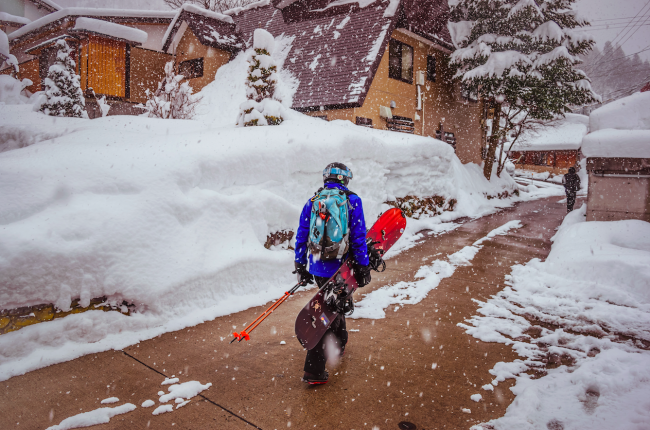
(304, 277)
(361, 274)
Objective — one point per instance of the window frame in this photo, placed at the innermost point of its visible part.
(363, 122)
(195, 64)
(395, 45)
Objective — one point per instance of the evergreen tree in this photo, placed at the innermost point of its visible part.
(62, 90)
(172, 99)
(520, 56)
(262, 106)
(615, 74)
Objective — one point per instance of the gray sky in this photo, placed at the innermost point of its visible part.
(608, 18)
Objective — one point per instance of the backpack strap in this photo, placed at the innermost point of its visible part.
(317, 193)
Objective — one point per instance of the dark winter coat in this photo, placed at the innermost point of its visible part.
(358, 245)
(571, 182)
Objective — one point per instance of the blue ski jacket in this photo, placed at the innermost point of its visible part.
(358, 245)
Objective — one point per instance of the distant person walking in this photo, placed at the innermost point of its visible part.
(571, 183)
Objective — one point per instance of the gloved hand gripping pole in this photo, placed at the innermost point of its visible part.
(245, 334)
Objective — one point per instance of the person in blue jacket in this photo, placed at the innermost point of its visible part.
(335, 175)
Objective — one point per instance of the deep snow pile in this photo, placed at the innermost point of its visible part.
(620, 129)
(581, 319)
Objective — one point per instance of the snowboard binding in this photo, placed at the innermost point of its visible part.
(375, 255)
(339, 300)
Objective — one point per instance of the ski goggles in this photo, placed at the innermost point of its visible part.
(336, 171)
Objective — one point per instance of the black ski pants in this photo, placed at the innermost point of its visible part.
(570, 200)
(316, 358)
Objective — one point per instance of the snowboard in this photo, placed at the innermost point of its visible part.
(319, 313)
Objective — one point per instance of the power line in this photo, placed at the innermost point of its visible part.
(587, 29)
(635, 16)
(637, 29)
(642, 13)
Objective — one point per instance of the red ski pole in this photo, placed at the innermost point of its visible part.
(245, 334)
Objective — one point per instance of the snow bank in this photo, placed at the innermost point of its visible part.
(110, 29)
(628, 113)
(591, 297)
(222, 97)
(11, 90)
(617, 143)
(561, 134)
(620, 129)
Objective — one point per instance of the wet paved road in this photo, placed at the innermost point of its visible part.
(385, 378)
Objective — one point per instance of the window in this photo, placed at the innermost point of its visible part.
(364, 122)
(323, 117)
(400, 61)
(431, 68)
(191, 68)
(401, 124)
(450, 138)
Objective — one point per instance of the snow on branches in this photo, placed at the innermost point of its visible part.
(262, 106)
(62, 90)
(172, 99)
(521, 56)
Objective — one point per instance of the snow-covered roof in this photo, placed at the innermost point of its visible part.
(628, 113)
(47, 4)
(110, 29)
(123, 14)
(617, 143)
(13, 19)
(254, 5)
(562, 134)
(620, 129)
(338, 45)
(211, 28)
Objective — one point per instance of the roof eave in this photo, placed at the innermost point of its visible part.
(82, 33)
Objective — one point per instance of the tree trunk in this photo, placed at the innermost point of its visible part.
(500, 162)
(493, 142)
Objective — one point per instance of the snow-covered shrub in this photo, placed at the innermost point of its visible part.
(12, 91)
(62, 90)
(172, 99)
(104, 107)
(262, 106)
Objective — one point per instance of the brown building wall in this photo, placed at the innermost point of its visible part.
(147, 70)
(190, 48)
(619, 189)
(441, 102)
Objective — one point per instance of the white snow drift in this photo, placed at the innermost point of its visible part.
(592, 291)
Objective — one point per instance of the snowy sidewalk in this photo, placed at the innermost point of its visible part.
(414, 365)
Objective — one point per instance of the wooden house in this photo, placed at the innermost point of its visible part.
(117, 52)
(383, 65)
